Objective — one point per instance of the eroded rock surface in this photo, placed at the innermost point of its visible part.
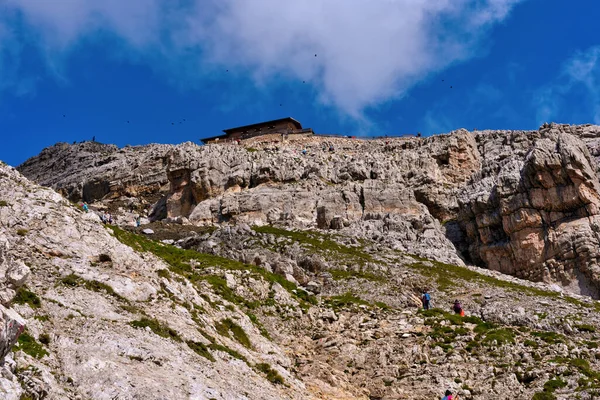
(520, 202)
(263, 312)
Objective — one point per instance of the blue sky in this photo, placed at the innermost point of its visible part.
(170, 71)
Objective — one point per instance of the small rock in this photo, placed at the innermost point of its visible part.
(314, 287)
(147, 231)
(17, 274)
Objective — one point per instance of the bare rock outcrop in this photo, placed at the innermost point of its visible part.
(536, 217)
(520, 202)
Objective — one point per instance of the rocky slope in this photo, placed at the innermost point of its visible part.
(521, 202)
(112, 314)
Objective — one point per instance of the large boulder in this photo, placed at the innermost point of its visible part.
(11, 326)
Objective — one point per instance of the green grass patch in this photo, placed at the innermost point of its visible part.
(230, 329)
(338, 275)
(225, 349)
(25, 296)
(180, 260)
(156, 327)
(164, 273)
(3, 203)
(447, 274)
(320, 243)
(500, 336)
(272, 375)
(200, 349)
(263, 331)
(531, 343)
(549, 337)
(44, 339)
(30, 346)
(554, 384)
(22, 232)
(586, 328)
(95, 286)
(345, 300)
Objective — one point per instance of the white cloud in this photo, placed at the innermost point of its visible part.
(580, 72)
(368, 51)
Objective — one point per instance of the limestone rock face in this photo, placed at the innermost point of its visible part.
(536, 216)
(90, 171)
(521, 202)
(270, 312)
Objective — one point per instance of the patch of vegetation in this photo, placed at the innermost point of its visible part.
(231, 352)
(531, 343)
(44, 339)
(95, 286)
(251, 150)
(263, 331)
(200, 349)
(344, 300)
(22, 232)
(3, 203)
(338, 275)
(272, 375)
(164, 273)
(227, 327)
(554, 384)
(499, 336)
(157, 328)
(382, 305)
(549, 337)
(320, 243)
(132, 309)
(42, 318)
(447, 274)
(586, 328)
(180, 262)
(30, 346)
(25, 296)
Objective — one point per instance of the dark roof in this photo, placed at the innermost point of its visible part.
(213, 138)
(275, 121)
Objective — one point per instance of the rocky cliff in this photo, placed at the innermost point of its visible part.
(235, 311)
(521, 202)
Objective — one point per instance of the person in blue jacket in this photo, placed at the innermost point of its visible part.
(425, 299)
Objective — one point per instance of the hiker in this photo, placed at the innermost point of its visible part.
(304, 151)
(138, 221)
(109, 218)
(331, 149)
(448, 396)
(85, 207)
(425, 299)
(458, 308)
